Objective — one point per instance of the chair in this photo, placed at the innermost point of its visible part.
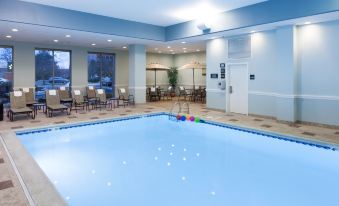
(101, 99)
(79, 100)
(29, 94)
(53, 103)
(91, 96)
(153, 94)
(182, 92)
(126, 98)
(168, 93)
(19, 105)
(65, 97)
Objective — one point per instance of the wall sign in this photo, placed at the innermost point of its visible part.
(252, 77)
(222, 70)
(214, 76)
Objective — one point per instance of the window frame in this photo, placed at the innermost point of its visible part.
(53, 50)
(13, 69)
(114, 64)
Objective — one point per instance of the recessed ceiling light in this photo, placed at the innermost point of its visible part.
(109, 40)
(159, 52)
(185, 51)
(184, 48)
(155, 48)
(253, 31)
(171, 50)
(168, 47)
(124, 47)
(55, 40)
(8, 36)
(67, 36)
(183, 42)
(198, 50)
(93, 44)
(15, 30)
(308, 22)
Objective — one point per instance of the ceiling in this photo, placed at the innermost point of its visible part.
(156, 12)
(42, 35)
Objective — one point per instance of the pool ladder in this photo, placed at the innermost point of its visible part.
(182, 108)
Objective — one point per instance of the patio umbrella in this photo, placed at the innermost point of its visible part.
(193, 66)
(156, 67)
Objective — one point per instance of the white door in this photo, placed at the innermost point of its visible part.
(238, 88)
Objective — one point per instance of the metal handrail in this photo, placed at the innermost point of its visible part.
(182, 107)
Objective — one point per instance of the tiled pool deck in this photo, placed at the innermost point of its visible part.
(11, 192)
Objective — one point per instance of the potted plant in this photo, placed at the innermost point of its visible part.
(172, 74)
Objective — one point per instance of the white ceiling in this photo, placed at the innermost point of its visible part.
(157, 12)
(42, 35)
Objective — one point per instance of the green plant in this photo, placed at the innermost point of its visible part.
(172, 74)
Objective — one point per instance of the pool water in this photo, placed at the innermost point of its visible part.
(153, 161)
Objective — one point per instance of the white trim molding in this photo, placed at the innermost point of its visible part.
(297, 96)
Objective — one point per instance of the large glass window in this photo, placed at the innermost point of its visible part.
(6, 72)
(101, 71)
(52, 70)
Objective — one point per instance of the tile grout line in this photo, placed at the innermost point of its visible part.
(22, 183)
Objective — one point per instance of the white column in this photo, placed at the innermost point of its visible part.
(216, 53)
(286, 75)
(137, 72)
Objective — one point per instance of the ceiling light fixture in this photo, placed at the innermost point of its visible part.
(155, 48)
(159, 52)
(308, 22)
(55, 40)
(253, 31)
(68, 36)
(183, 42)
(109, 40)
(93, 44)
(124, 47)
(198, 50)
(15, 30)
(168, 47)
(8, 36)
(184, 48)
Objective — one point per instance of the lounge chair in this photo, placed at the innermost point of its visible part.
(65, 98)
(53, 103)
(127, 99)
(29, 94)
(18, 105)
(182, 92)
(153, 94)
(101, 99)
(91, 97)
(79, 100)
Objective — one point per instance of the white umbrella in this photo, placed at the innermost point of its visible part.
(156, 67)
(193, 66)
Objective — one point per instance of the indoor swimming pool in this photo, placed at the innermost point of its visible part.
(152, 160)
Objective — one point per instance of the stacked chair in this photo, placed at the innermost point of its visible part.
(53, 103)
(19, 105)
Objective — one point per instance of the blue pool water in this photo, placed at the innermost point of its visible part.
(152, 161)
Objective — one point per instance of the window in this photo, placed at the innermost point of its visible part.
(101, 71)
(6, 72)
(52, 70)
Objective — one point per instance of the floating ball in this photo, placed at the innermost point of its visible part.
(178, 117)
(192, 119)
(183, 118)
(197, 119)
(187, 117)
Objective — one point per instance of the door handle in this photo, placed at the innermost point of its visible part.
(231, 89)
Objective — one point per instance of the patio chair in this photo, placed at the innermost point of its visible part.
(153, 94)
(65, 98)
(91, 96)
(18, 105)
(168, 93)
(125, 97)
(182, 92)
(79, 100)
(29, 95)
(102, 99)
(53, 103)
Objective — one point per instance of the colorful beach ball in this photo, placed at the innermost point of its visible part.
(197, 119)
(192, 119)
(178, 117)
